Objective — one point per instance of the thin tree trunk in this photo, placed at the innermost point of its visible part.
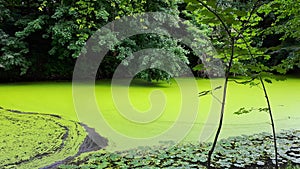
(269, 109)
(223, 106)
(226, 84)
(232, 40)
(272, 121)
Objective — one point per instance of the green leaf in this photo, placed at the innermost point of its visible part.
(198, 67)
(206, 92)
(243, 110)
(268, 80)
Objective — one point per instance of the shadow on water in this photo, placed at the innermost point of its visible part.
(137, 83)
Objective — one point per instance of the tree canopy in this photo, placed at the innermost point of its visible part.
(42, 39)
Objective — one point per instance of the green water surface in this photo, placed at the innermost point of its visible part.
(56, 98)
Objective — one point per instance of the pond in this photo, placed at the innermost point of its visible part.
(56, 98)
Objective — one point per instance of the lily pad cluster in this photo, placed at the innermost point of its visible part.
(253, 151)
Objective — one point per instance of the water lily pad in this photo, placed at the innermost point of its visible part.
(260, 163)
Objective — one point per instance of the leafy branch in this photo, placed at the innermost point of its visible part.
(236, 34)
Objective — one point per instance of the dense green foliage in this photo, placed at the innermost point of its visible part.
(281, 20)
(256, 27)
(44, 42)
(32, 140)
(42, 39)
